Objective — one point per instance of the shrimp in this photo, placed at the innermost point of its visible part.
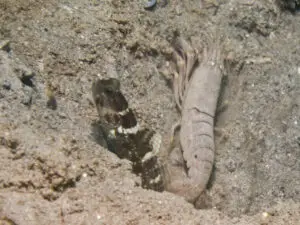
(196, 88)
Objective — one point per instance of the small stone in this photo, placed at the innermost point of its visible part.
(9, 142)
(52, 103)
(18, 155)
(27, 98)
(265, 218)
(6, 85)
(5, 45)
(84, 175)
(57, 181)
(26, 78)
(231, 165)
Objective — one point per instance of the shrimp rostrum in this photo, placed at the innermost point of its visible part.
(196, 86)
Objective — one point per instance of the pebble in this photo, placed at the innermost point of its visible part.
(5, 45)
(6, 85)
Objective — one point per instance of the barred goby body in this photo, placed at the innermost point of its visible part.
(122, 135)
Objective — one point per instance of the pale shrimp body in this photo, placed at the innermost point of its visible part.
(197, 123)
(196, 93)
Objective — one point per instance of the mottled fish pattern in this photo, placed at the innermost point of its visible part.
(118, 130)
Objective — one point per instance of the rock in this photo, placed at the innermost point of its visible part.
(4, 45)
(6, 85)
